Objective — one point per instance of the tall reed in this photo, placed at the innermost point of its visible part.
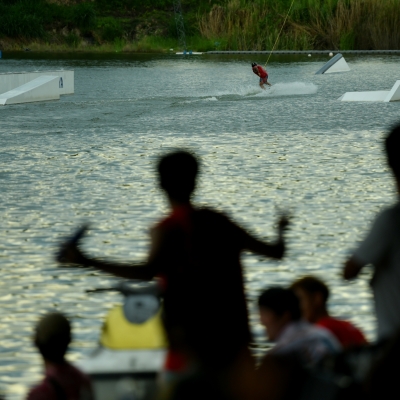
(312, 24)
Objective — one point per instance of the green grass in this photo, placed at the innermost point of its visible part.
(135, 25)
(311, 24)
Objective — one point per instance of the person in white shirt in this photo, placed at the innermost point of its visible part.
(280, 314)
(381, 248)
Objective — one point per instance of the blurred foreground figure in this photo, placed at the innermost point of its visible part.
(62, 380)
(381, 248)
(313, 295)
(197, 253)
(382, 379)
(281, 316)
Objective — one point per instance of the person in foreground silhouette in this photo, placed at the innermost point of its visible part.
(381, 248)
(62, 380)
(196, 251)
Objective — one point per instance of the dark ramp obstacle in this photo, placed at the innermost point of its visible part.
(335, 64)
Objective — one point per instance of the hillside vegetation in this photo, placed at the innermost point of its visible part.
(140, 25)
(312, 24)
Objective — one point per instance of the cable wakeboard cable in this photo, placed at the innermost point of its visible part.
(276, 41)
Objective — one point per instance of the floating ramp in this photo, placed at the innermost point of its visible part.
(335, 64)
(40, 89)
(380, 95)
(27, 87)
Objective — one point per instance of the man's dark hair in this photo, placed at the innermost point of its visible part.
(177, 172)
(280, 301)
(310, 284)
(392, 147)
(52, 337)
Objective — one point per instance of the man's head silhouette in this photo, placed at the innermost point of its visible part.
(177, 173)
(52, 336)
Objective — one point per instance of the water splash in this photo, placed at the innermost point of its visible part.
(277, 90)
(242, 90)
(290, 89)
(196, 99)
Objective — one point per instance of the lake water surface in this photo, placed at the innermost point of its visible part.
(90, 157)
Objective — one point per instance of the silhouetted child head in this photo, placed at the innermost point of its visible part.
(52, 337)
(392, 147)
(313, 295)
(177, 173)
(278, 307)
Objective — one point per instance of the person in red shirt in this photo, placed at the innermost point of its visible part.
(62, 380)
(262, 73)
(196, 251)
(313, 295)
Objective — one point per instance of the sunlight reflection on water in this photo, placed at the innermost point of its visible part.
(90, 157)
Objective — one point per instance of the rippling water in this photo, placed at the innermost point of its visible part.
(90, 157)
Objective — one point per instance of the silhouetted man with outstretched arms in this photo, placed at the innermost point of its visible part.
(381, 248)
(197, 252)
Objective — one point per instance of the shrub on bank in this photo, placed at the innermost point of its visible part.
(72, 40)
(110, 28)
(21, 19)
(32, 19)
(84, 16)
(216, 24)
(312, 24)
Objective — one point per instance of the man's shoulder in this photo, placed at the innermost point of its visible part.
(42, 391)
(78, 373)
(302, 333)
(347, 333)
(58, 378)
(207, 210)
(389, 213)
(336, 324)
(71, 372)
(210, 213)
(386, 222)
(319, 331)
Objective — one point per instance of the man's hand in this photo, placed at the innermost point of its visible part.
(69, 253)
(283, 224)
(351, 268)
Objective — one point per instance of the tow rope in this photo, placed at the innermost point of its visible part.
(276, 41)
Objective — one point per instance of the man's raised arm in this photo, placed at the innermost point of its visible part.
(273, 250)
(70, 253)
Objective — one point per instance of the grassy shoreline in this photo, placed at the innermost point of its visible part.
(103, 26)
(148, 44)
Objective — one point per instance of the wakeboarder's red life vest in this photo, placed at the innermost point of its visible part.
(261, 71)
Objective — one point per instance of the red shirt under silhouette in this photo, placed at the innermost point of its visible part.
(347, 334)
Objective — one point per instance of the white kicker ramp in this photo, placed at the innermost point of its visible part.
(12, 80)
(335, 64)
(40, 89)
(9, 82)
(380, 95)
